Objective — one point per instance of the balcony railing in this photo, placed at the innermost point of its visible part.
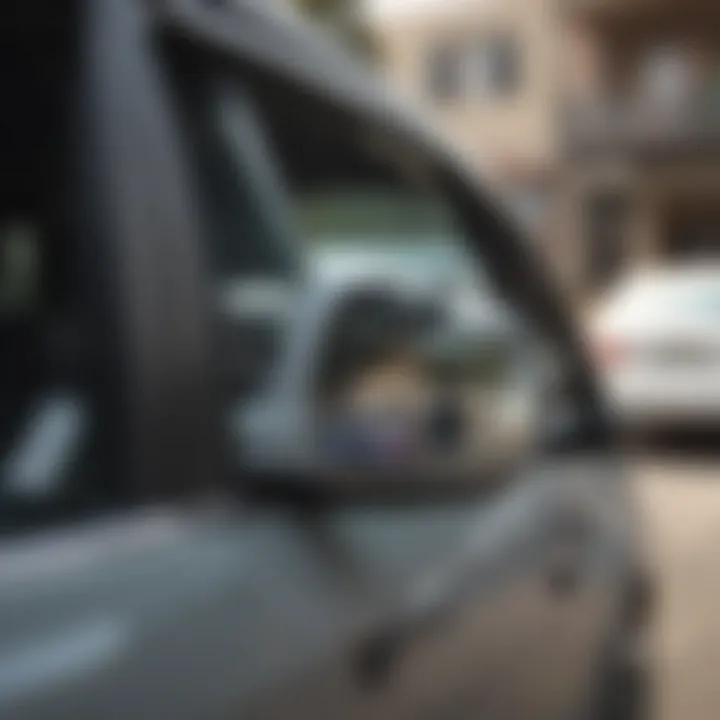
(625, 7)
(636, 127)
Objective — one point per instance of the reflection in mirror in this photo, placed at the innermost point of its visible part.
(377, 377)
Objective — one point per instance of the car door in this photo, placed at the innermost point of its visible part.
(134, 581)
(428, 610)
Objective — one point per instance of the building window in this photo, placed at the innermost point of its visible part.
(445, 73)
(487, 67)
(495, 66)
(606, 221)
(667, 77)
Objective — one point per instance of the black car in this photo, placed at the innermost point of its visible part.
(172, 171)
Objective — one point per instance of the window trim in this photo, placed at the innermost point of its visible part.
(144, 215)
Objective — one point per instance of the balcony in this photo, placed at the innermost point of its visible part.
(641, 129)
(595, 6)
(686, 11)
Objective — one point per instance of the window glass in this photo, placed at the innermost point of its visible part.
(494, 66)
(384, 315)
(287, 201)
(56, 428)
(444, 68)
(504, 54)
(356, 206)
(353, 230)
(475, 68)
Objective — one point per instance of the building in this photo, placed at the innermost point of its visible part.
(599, 119)
(487, 70)
(640, 123)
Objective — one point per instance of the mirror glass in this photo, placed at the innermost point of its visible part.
(383, 377)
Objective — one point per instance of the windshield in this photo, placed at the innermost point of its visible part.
(688, 299)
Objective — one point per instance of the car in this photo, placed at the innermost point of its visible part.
(170, 170)
(658, 347)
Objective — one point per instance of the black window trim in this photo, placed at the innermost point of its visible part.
(145, 216)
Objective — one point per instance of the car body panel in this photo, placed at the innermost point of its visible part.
(190, 615)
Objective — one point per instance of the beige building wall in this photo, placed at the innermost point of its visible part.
(582, 124)
(510, 133)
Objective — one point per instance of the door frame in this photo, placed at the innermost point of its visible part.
(144, 213)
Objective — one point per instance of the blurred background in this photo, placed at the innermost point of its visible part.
(595, 122)
(598, 122)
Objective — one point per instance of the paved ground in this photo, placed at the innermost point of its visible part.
(681, 497)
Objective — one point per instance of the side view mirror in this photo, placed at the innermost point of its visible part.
(377, 381)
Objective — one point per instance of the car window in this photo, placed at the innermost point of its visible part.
(285, 204)
(59, 435)
(321, 208)
(367, 229)
(355, 208)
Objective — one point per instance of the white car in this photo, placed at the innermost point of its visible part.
(657, 342)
